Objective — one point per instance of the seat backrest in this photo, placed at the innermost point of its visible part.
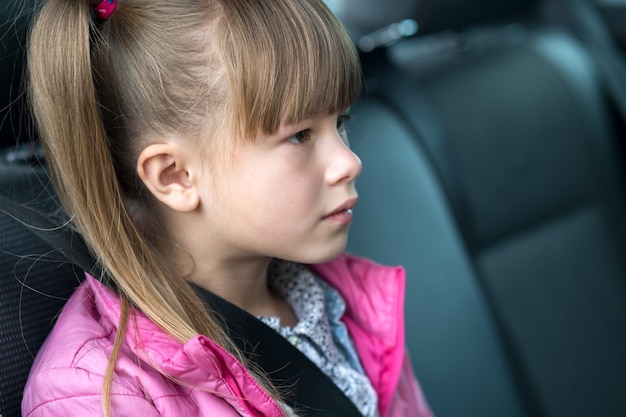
(404, 219)
(513, 121)
(35, 282)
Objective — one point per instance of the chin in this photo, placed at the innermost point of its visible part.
(314, 252)
(326, 254)
(327, 258)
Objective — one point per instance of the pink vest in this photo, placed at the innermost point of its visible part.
(67, 376)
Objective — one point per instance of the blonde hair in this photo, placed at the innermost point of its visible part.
(181, 67)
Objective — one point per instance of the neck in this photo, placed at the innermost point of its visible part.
(244, 283)
(234, 275)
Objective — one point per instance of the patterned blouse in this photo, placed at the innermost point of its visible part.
(320, 334)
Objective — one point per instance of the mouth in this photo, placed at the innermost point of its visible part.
(343, 213)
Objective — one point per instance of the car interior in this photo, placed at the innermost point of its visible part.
(493, 141)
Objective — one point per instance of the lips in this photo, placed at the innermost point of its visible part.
(344, 211)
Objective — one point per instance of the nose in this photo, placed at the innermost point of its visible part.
(345, 165)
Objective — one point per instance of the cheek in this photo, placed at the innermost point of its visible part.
(273, 188)
(279, 202)
(284, 197)
(283, 179)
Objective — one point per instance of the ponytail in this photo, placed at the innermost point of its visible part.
(68, 118)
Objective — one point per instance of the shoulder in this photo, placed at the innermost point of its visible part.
(78, 392)
(79, 334)
(68, 374)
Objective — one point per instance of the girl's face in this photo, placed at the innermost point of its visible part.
(288, 195)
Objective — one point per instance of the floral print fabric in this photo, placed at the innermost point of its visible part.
(320, 334)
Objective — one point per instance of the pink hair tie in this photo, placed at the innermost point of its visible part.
(105, 9)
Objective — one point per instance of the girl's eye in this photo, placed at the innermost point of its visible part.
(300, 137)
(342, 127)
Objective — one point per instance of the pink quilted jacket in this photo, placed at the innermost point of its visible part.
(204, 380)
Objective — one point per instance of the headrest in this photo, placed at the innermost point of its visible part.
(365, 16)
(362, 17)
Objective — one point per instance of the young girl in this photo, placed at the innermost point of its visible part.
(199, 146)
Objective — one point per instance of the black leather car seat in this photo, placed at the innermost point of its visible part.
(403, 218)
(512, 126)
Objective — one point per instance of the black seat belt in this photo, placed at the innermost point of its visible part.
(309, 390)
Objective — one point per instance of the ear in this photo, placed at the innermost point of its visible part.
(165, 170)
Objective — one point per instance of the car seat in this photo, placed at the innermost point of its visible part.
(520, 307)
(35, 281)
